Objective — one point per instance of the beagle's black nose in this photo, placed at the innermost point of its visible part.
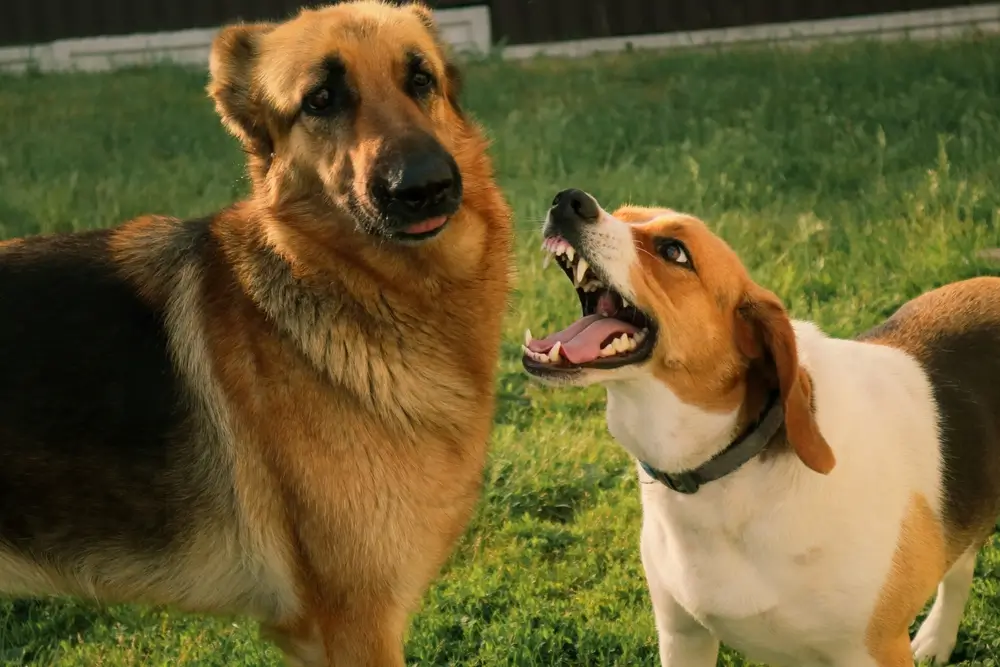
(575, 206)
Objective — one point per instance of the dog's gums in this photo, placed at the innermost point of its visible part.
(610, 334)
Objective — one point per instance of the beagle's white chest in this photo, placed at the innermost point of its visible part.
(766, 580)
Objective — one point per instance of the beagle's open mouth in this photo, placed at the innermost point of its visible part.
(611, 332)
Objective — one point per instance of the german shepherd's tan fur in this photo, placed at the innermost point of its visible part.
(280, 410)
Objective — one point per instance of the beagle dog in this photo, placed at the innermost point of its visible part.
(803, 496)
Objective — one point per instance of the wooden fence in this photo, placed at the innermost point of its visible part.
(513, 21)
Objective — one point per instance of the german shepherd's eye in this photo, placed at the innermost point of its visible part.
(674, 252)
(318, 102)
(331, 93)
(419, 81)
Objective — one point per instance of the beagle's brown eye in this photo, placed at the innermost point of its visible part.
(675, 252)
(318, 102)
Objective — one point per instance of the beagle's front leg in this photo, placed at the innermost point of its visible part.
(684, 642)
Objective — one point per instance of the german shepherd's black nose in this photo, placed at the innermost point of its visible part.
(417, 181)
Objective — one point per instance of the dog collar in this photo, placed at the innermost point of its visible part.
(749, 444)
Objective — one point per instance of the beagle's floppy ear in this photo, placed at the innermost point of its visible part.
(231, 69)
(764, 332)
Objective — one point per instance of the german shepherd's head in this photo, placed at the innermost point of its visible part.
(350, 117)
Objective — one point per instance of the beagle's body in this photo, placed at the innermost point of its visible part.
(766, 558)
(788, 566)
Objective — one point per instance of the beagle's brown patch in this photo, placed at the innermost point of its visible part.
(954, 333)
(697, 357)
(917, 566)
(282, 409)
(724, 342)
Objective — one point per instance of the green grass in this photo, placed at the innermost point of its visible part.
(849, 178)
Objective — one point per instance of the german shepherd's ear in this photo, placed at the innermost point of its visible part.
(764, 332)
(453, 85)
(231, 68)
(425, 14)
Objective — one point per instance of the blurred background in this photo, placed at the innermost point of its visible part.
(511, 22)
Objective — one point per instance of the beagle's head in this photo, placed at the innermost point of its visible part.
(663, 296)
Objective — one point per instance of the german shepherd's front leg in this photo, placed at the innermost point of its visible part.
(364, 637)
(344, 635)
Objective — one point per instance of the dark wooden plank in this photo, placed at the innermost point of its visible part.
(572, 18)
(632, 17)
(520, 21)
(505, 22)
(661, 17)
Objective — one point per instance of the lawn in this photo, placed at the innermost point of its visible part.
(849, 178)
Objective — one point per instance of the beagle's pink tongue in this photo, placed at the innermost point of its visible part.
(582, 340)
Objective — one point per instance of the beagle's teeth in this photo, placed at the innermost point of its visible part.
(581, 270)
(527, 337)
(570, 253)
(546, 261)
(540, 358)
(554, 353)
(624, 343)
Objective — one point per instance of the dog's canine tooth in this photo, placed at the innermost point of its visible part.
(546, 261)
(527, 337)
(581, 270)
(570, 253)
(554, 352)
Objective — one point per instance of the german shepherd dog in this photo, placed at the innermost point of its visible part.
(281, 410)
